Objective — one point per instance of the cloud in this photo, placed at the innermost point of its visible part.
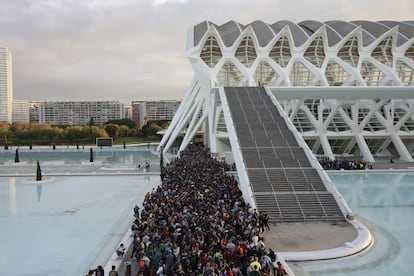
(136, 49)
(161, 2)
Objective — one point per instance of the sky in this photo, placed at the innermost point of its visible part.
(130, 50)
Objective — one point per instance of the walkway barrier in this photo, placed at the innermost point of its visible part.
(127, 269)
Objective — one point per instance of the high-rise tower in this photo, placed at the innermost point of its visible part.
(6, 85)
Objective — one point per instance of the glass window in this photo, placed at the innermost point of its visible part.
(371, 74)
(229, 75)
(315, 53)
(300, 75)
(265, 74)
(383, 52)
(335, 74)
(246, 53)
(349, 52)
(280, 52)
(211, 52)
(405, 73)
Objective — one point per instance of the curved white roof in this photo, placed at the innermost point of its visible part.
(336, 30)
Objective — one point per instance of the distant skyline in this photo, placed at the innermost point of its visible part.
(130, 50)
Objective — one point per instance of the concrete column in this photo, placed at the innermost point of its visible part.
(401, 148)
(326, 147)
(363, 147)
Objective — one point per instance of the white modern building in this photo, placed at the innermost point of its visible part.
(77, 112)
(143, 111)
(21, 111)
(348, 87)
(6, 85)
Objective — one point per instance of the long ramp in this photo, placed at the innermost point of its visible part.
(283, 182)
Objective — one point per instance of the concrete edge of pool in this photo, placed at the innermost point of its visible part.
(361, 242)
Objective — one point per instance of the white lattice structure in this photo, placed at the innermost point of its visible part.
(348, 87)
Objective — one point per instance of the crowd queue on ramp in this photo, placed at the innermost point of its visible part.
(196, 222)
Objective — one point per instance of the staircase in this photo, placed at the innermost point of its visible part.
(282, 179)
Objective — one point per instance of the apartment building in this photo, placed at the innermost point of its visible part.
(143, 111)
(76, 112)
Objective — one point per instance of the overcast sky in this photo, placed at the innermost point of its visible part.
(136, 49)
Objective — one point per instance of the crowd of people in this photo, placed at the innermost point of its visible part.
(196, 222)
(329, 164)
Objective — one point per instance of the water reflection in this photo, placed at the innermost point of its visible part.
(39, 192)
(385, 204)
(70, 156)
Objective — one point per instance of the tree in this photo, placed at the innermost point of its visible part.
(6, 146)
(76, 133)
(95, 131)
(123, 122)
(91, 122)
(5, 132)
(112, 130)
(124, 131)
(4, 128)
(151, 129)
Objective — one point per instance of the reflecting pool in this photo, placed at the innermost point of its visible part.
(384, 202)
(73, 156)
(66, 224)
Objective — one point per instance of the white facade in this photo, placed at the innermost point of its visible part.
(6, 85)
(21, 111)
(34, 110)
(154, 110)
(78, 113)
(297, 61)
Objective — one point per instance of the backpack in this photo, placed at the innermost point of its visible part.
(255, 273)
(141, 264)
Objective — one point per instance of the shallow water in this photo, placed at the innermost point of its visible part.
(73, 156)
(65, 225)
(385, 204)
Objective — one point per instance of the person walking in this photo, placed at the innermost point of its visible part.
(113, 271)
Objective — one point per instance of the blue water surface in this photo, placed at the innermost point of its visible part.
(384, 202)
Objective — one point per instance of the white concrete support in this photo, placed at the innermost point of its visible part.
(401, 148)
(327, 150)
(212, 105)
(183, 120)
(363, 147)
(331, 115)
(182, 110)
(359, 138)
(193, 127)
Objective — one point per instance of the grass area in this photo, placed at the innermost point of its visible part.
(136, 140)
